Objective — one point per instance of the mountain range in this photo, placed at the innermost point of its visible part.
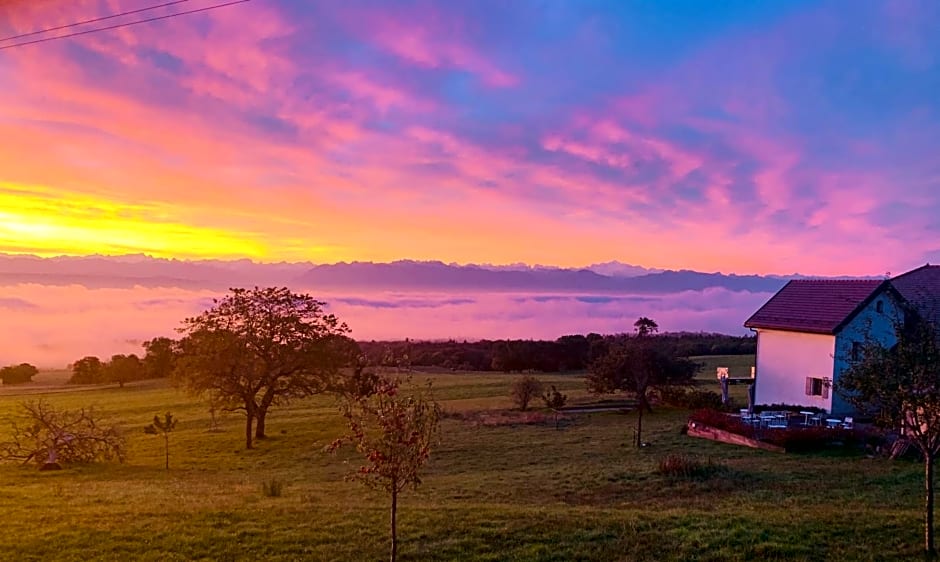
(138, 270)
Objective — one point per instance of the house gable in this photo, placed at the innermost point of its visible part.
(874, 322)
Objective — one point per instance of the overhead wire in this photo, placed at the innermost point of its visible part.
(93, 20)
(125, 24)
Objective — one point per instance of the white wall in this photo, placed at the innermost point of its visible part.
(785, 359)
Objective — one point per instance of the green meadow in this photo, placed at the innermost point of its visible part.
(498, 491)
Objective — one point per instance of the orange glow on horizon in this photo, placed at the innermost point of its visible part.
(44, 222)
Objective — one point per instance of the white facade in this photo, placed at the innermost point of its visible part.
(785, 360)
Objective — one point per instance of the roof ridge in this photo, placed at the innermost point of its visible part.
(927, 265)
(828, 280)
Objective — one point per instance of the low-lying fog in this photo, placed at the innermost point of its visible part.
(51, 326)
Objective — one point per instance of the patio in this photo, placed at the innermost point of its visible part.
(784, 419)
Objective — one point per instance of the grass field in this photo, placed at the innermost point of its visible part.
(492, 493)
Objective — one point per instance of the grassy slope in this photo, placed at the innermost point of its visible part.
(492, 493)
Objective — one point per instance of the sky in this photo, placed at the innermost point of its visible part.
(738, 136)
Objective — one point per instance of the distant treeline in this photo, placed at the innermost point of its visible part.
(158, 362)
(567, 353)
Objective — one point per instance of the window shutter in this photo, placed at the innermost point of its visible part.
(809, 386)
(825, 390)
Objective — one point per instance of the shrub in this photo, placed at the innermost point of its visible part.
(272, 488)
(786, 408)
(685, 467)
(720, 420)
(691, 398)
(18, 374)
(554, 399)
(796, 439)
(524, 390)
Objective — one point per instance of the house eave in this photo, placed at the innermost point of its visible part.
(778, 328)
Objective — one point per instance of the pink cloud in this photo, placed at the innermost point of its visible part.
(430, 39)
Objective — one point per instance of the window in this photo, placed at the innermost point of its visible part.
(817, 387)
(856, 351)
(880, 306)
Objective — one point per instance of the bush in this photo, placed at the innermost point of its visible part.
(18, 374)
(554, 399)
(787, 408)
(685, 467)
(690, 398)
(272, 488)
(524, 390)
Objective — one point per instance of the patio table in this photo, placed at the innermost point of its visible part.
(806, 416)
(832, 423)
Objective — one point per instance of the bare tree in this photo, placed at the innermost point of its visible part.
(52, 435)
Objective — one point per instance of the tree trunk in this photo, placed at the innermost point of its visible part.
(394, 524)
(259, 425)
(929, 549)
(639, 423)
(248, 434)
(261, 412)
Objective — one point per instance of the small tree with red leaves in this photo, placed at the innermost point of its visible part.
(394, 432)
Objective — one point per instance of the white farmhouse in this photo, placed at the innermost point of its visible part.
(810, 330)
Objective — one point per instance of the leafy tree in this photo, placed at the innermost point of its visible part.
(51, 435)
(524, 390)
(256, 348)
(645, 326)
(636, 365)
(159, 358)
(899, 387)
(123, 369)
(163, 427)
(394, 432)
(18, 374)
(509, 356)
(87, 370)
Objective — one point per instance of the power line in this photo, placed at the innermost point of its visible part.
(93, 20)
(120, 25)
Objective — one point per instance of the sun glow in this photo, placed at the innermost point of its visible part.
(47, 222)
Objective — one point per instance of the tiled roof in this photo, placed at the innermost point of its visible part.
(816, 306)
(921, 289)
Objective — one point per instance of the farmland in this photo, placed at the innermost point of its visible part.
(492, 492)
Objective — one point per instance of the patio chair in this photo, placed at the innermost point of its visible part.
(849, 423)
(778, 422)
